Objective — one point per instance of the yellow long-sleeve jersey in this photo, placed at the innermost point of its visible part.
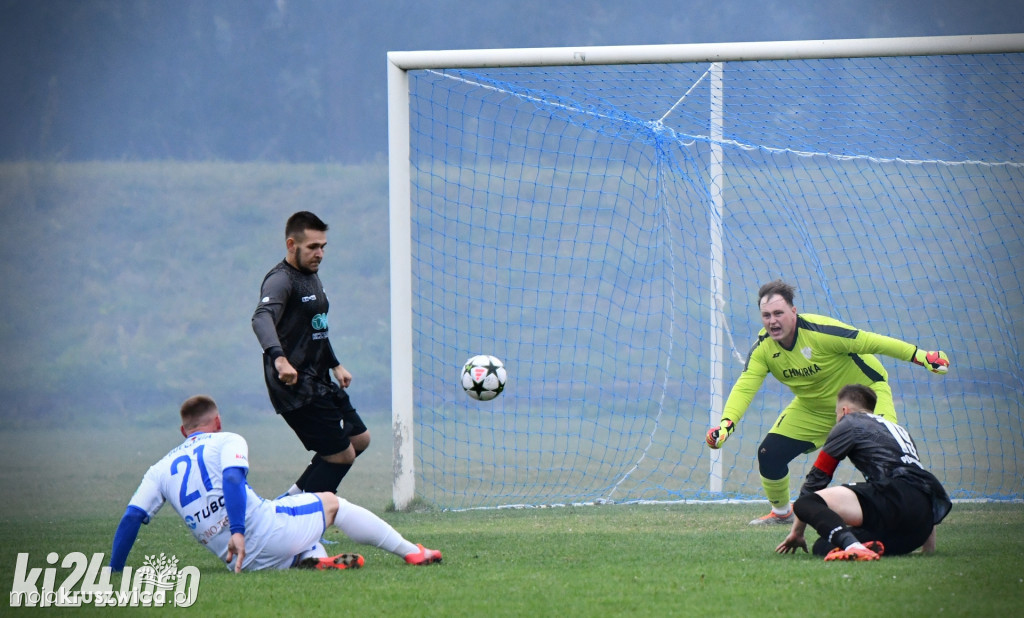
(826, 355)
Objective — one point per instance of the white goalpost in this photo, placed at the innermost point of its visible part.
(599, 218)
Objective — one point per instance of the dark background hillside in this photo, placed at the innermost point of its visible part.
(151, 150)
(304, 80)
(130, 286)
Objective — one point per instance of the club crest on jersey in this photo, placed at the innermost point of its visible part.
(319, 321)
(807, 352)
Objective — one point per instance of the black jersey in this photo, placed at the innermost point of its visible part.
(291, 319)
(880, 450)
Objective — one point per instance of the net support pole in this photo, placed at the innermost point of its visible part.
(403, 487)
(715, 187)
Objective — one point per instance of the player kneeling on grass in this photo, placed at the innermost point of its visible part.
(894, 511)
(814, 356)
(204, 480)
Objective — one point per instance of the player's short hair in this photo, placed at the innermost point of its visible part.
(859, 395)
(780, 287)
(196, 410)
(302, 221)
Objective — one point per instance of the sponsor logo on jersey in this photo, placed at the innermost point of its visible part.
(801, 372)
(204, 513)
(216, 527)
(319, 321)
(806, 352)
(309, 298)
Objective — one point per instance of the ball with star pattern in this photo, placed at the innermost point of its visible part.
(483, 377)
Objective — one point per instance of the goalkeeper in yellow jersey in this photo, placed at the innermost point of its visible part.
(814, 356)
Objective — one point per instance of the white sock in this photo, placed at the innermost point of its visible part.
(317, 551)
(364, 527)
(780, 511)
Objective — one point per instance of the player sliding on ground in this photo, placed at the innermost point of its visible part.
(814, 356)
(895, 511)
(204, 480)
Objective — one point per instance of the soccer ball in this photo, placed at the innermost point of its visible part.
(483, 377)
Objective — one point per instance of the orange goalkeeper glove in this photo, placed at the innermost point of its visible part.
(717, 435)
(936, 362)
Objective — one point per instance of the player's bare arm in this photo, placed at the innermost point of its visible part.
(236, 549)
(342, 375)
(285, 372)
(929, 544)
(794, 540)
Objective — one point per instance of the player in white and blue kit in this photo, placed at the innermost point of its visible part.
(204, 480)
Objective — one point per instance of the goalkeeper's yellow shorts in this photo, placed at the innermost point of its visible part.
(810, 420)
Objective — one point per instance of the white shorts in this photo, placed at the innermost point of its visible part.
(298, 525)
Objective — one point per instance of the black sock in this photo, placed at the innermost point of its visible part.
(301, 482)
(813, 510)
(322, 476)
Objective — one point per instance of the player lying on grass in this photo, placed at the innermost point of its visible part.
(814, 356)
(894, 511)
(204, 480)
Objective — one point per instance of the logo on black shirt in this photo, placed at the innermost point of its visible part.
(319, 321)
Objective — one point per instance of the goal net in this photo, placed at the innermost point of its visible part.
(601, 220)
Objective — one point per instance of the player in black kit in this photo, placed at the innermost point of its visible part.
(291, 325)
(894, 510)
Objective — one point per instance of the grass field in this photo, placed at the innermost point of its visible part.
(605, 561)
(651, 560)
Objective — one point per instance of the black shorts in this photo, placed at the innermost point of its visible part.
(897, 513)
(325, 424)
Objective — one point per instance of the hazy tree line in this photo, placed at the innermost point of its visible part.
(237, 80)
(188, 80)
(148, 153)
(304, 80)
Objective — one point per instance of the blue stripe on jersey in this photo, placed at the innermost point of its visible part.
(828, 329)
(305, 509)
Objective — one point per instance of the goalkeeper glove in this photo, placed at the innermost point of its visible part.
(717, 435)
(936, 362)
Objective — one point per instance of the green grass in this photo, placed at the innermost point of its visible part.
(602, 560)
(66, 489)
